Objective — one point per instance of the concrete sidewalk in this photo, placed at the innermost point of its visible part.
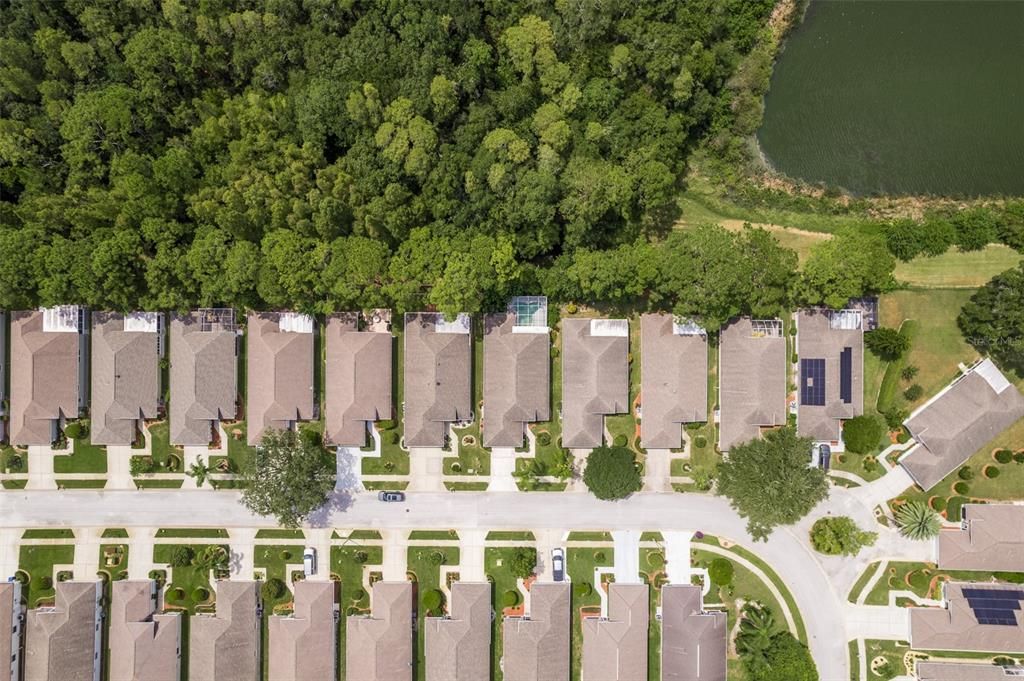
(627, 556)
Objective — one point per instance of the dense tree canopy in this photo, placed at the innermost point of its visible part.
(993, 319)
(835, 536)
(288, 477)
(611, 473)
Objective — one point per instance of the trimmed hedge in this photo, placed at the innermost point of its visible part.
(939, 504)
(721, 571)
(991, 471)
(965, 473)
(961, 488)
(432, 599)
(954, 508)
(510, 598)
(544, 439)
(700, 442)
(1004, 456)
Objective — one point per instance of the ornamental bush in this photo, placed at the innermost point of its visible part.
(73, 430)
(1019, 457)
(887, 344)
(272, 589)
(544, 438)
(991, 471)
(862, 434)
(954, 508)
(966, 473)
(182, 556)
(200, 594)
(620, 440)
(700, 442)
(432, 599)
(961, 487)
(510, 598)
(839, 536)
(584, 589)
(721, 571)
(939, 504)
(1004, 456)
(913, 393)
(611, 473)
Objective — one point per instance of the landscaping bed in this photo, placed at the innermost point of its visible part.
(424, 564)
(189, 586)
(580, 564)
(36, 562)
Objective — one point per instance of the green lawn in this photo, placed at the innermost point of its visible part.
(13, 460)
(115, 533)
(625, 426)
(393, 459)
(189, 583)
(465, 486)
(472, 459)
(652, 566)
(956, 269)
(347, 564)
(862, 582)
(385, 484)
(854, 657)
(191, 533)
(52, 533)
(580, 564)
(239, 452)
(280, 534)
(15, 484)
(160, 444)
(549, 455)
(925, 579)
(275, 558)
(86, 458)
(895, 652)
(363, 534)
(80, 484)
(114, 560)
(510, 536)
(496, 562)
(703, 460)
(424, 563)
(590, 536)
(38, 562)
(434, 534)
(159, 484)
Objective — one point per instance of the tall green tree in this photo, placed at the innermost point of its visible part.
(993, 319)
(287, 477)
(853, 263)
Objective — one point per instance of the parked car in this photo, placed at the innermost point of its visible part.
(558, 564)
(309, 561)
(391, 496)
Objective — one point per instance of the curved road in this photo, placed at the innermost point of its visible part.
(819, 605)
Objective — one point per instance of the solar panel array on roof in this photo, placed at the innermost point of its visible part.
(995, 606)
(812, 382)
(846, 375)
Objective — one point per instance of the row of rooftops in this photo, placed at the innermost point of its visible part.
(145, 642)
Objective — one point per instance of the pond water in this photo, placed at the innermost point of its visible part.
(902, 97)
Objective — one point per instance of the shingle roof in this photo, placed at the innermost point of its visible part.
(958, 422)
(379, 647)
(817, 339)
(204, 379)
(517, 380)
(61, 642)
(44, 378)
(752, 387)
(144, 644)
(961, 671)
(7, 612)
(536, 648)
(595, 378)
(358, 379)
(226, 646)
(458, 647)
(125, 370)
(615, 649)
(674, 381)
(992, 540)
(279, 370)
(693, 642)
(437, 378)
(955, 627)
(303, 645)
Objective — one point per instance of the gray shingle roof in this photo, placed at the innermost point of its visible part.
(44, 378)
(458, 647)
(615, 649)
(380, 647)
(125, 370)
(958, 422)
(226, 646)
(358, 377)
(817, 340)
(961, 671)
(204, 379)
(595, 378)
(144, 644)
(279, 371)
(693, 642)
(517, 381)
(303, 646)
(992, 540)
(674, 381)
(955, 627)
(536, 648)
(62, 642)
(752, 383)
(9, 602)
(438, 379)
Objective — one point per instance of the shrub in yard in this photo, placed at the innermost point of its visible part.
(862, 434)
(655, 559)
(913, 393)
(544, 439)
(510, 598)
(522, 562)
(961, 487)
(389, 437)
(599, 556)
(73, 430)
(954, 508)
(200, 594)
(794, 358)
(437, 558)
(358, 595)
(991, 471)
(21, 577)
(286, 555)
(870, 463)
(966, 473)
(917, 521)
(176, 594)
(700, 442)
(888, 344)
(432, 599)
(908, 372)
(894, 418)
(620, 440)
(361, 557)
(1019, 457)
(584, 589)
(1004, 456)
(45, 582)
(611, 473)
(386, 425)
(840, 535)
(272, 589)
(903, 437)
(182, 556)
(939, 504)
(721, 571)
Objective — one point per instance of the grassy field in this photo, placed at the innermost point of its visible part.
(191, 533)
(51, 533)
(187, 583)
(87, 458)
(424, 563)
(38, 562)
(955, 269)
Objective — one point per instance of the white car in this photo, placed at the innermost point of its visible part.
(309, 561)
(558, 565)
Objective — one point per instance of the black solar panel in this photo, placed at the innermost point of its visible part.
(812, 382)
(994, 606)
(1010, 594)
(846, 375)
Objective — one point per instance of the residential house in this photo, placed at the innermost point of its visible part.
(145, 643)
(595, 378)
(990, 538)
(536, 645)
(204, 374)
(358, 379)
(379, 646)
(830, 346)
(303, 645)
(11, 615)
(752, 380)
(438, 376)
(977, 617)
(458, 646)
(125, 374)
(279, 371)
(225, 646)
(673, 379)
(966, 671)
(693, 640)
(615, 647)
(63, 641)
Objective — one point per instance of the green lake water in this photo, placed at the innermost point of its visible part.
(901, 97)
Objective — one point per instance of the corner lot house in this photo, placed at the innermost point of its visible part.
(615, 647)
(303, 645)
(204, 374)
(145, 644)
(752, 380)
(536, 647)
(458, 647)
(226, 646)
(438, 376)
(279, 369)
(956, 423)
(673, 379)
(978, 617)
(693, 641)
(63, 641)
(966, 671)
(990, 538)
(378, 647)
(830, 345)
(517, 375)
(11, 612)
(595, 378)
(358, 384)
(47, 368)
(125, 374)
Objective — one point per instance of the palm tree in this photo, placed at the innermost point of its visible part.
(199, 471)
(211, 558)
(755, 635)
(917, 521)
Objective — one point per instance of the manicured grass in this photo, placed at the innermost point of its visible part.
(48, 534)
(276, 558)
(496, 565)
(15, 484)
(13, 460)
(239, 452)
(956, 269)
(892, 379)
(187, 578)
(191, 533)
(347, 567)
(160, 443)
(590, 536)
(280, 534)
(423, 565)
(80, 484)
(472, 459)
(159, 484)
(115, 533)
(434, 534)
(465, 486)
(371, 485)
(364, 534)
(651, 536)
(85, 458)
(38, 562)
(861, 582)
(864, 465)
(393, 459)
(510, 536)
(854, 658)
(114, 560)
(548, 457)
(703, 461)
(626, 425)
(652, 566)
(580, 564)
(925, 580)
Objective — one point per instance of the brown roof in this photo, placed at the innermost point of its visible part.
(615, 649)
(303, 645)
(125, 368)
(959, 421)
(961, 671)
(279, 370)
(144, 644)
(991, 539)
(458, 647)
(358, 379)
(204, 378)
(62, 642)
(379, 647)
(517, 380)
(693, 642)
(437, 378)
(44, 378)
(10, 598)
(752, 389)
(595, 378)
(536, 647)
(818, 338)
(226, 646)
(956, 627)
(674, 381)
